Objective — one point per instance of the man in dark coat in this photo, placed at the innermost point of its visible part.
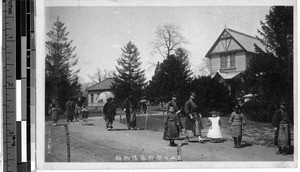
(109, 112)
(193, 119)
(70, 110)
(282, 123)
(127, 104)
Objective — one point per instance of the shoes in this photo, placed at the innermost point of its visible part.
(109, 129)
(235, 146)
(187, 140)
(135, 128)
(173, 144)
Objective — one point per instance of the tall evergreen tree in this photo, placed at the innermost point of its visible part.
(273, 82)
(172, 77)
(61, 79)
(129, 78)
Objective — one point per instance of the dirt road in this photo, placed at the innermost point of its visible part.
(93, 143)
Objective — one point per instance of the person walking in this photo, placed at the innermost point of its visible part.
(70, 110)
(132, 118)
(53, 110)
(78, 110)
(127, 104)
(282, 124)
(109, 112)
(193, 124)
(237, 122)
(171, 126)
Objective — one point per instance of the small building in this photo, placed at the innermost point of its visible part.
(229, 56)
(99, 93)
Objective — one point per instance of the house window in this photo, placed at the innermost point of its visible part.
(228, 61)
(92, 98)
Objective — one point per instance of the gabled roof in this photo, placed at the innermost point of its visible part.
(245, 41)
(226, 75)
(103, 85)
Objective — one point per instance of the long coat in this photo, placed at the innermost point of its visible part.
(282, 122)
(237, 123)
(194, 124)
(172, 127)
(70, 109)
(109, 111)
(53, 110)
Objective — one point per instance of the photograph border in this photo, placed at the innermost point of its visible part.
(38, 138)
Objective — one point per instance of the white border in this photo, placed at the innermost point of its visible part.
(40, 81)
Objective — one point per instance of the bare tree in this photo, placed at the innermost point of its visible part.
(101, 75)
(168, 39)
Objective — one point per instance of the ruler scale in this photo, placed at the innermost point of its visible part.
(9, 86)
(18, 52)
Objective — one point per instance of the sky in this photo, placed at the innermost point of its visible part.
(99, 32)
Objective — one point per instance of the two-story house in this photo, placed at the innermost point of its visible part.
(229, 57)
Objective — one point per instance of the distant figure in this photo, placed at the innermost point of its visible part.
(282, 124)
(109, 112)
(78, 109)
(132, 122)
(53, 110)
(177, 110)
(237, 122)
(127, 104)
(171, 126)
(214, 133)
(193, 124)
(70, 110)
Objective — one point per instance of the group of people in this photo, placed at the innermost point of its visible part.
(109, 112)
(193, 122)
(73, 110)
(193, 125)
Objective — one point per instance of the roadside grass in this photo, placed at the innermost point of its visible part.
(255, 133)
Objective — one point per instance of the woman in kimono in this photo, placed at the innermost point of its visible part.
(109, 112)
(70, 110)
(172, 126)
(282, 124)
(53, 111)
(193, 124)
(237, 122)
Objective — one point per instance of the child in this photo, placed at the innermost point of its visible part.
(214, 132)
(237, 123)
(172, 128)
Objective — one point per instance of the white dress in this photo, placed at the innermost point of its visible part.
(215, 131)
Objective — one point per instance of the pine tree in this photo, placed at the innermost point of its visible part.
(61, 80)
(129, 78)
(172, 77)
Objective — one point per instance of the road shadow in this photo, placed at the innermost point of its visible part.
(88, 124)
(120, 129)
(245, 144)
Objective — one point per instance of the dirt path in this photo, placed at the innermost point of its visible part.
(93, 143)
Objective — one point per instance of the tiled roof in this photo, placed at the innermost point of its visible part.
(103, 85)
(246, 41)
